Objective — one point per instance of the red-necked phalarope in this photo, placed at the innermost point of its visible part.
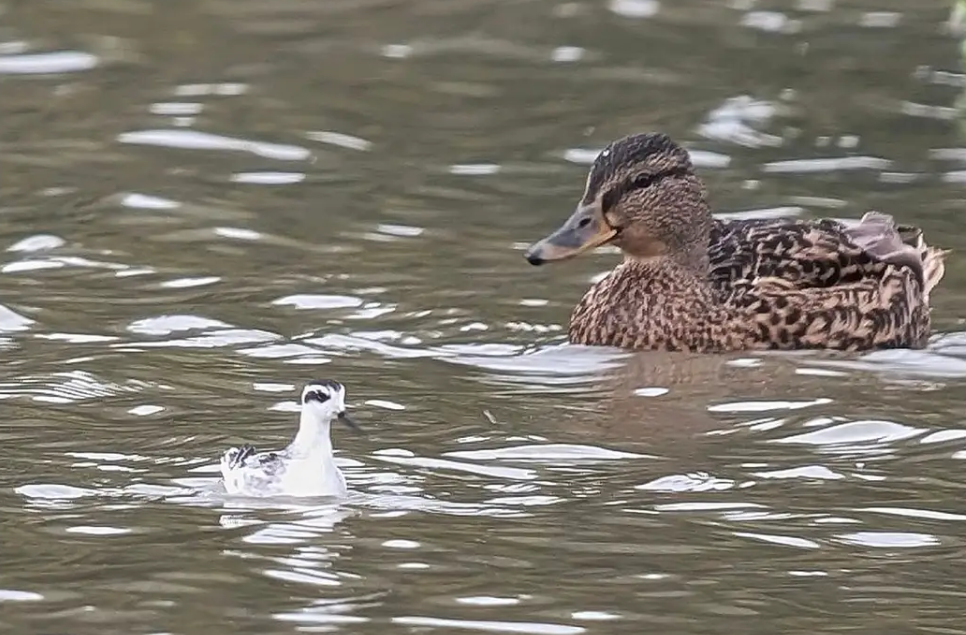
(306, 467)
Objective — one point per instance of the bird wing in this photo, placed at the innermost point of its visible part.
(816, 253)
(245, 470)
(233, 458)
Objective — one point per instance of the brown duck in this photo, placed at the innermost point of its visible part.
(691, 282)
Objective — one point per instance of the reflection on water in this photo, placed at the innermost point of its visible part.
(207, 204)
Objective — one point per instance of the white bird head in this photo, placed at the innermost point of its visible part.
(324, 400)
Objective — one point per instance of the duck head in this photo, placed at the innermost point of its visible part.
(641, 195)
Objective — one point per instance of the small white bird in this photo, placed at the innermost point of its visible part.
(306, 467)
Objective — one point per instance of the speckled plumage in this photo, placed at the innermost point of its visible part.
(692, 282)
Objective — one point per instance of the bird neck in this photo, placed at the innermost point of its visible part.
(312, 437)
(695, 263)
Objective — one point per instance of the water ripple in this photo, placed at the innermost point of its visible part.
(195, 140)
(47, 63)
(538, 628)
(830, 164)
(194, 228)
(855, 436)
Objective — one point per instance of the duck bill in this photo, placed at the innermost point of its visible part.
(349, 423)
(583, 231)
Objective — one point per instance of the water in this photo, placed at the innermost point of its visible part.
(207, 203)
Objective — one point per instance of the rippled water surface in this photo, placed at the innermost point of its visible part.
(207, 203)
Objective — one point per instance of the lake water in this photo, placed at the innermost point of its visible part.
(208, 203)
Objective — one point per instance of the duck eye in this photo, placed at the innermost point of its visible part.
(645, 180)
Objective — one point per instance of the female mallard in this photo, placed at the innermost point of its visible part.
(692, 282)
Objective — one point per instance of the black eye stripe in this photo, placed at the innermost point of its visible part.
(610, 198)
(317, 395)
(638, 182)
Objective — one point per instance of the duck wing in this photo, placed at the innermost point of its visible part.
(886, 312)
(815, 253)
(805, 253)
(825, 284)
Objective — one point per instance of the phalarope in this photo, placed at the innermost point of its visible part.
(306, 467)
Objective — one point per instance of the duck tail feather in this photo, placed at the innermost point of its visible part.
(934, 267)
(902, 245)
(878, 235)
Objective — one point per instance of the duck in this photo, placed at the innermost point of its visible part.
(692, 282)
(306, 467)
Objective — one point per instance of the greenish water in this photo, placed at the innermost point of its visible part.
(207, 203)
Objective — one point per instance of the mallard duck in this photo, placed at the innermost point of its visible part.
(306, 467)
(690, 282)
